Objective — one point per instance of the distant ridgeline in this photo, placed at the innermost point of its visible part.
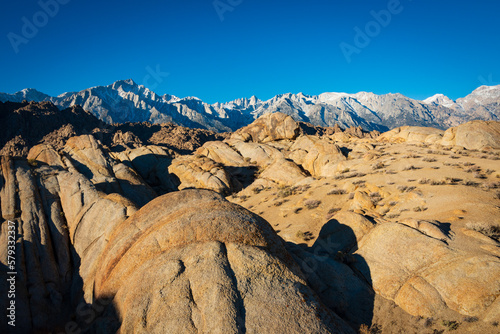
(125, 101)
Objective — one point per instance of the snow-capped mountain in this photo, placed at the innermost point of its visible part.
(125, 101)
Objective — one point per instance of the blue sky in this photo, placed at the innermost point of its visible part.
(252, 47)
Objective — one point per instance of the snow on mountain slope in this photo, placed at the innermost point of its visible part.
(125, 101)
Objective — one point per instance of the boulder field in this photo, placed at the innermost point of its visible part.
(279, 227)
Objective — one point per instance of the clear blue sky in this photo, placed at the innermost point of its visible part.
(260, 48)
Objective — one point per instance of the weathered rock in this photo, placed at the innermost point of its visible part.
(473, 135)
(269, 127)
(221, 153)
(412, 134)
(428, 228)
(196, 171)
(46, 154)
(261, 154)
(319, 156)
(284, 172)
(427, 277)
(222, 269)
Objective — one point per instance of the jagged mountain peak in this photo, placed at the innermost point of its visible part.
(439, 99)
(126, 101)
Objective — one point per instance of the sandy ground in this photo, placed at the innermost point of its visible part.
(458, 188)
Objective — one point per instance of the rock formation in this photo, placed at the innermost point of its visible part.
(321, 231)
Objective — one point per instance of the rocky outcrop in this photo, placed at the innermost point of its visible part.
(269, 127)
(27, 124)
(412, 134)
(319, 156)
(217, 266)
(219, 269)
(201, 172)
(428, 277)
(474, 135)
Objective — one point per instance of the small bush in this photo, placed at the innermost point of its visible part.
(424, 181)
(378, 165)
(257, 190)
(492, 231)
(429, 159)
(452, 325)
(304, 235)
(312, 204)
(470, 183)
(452, 180)
(32, 162)
(406, 189)
(333, 211)
(471, 319)
(337, 192)
(410, 167)
(286, 191)
(419, 209)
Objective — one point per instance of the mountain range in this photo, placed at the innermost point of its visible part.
(125, 101)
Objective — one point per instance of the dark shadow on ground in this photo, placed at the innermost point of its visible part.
(341, 278)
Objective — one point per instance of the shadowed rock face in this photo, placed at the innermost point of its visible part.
(27, 124)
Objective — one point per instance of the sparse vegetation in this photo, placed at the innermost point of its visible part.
(374, 329)
(437, 183)
(285, 191)
(428, 322)
(471, 319)
(429, 159)
(492, 231)
(410, 167)
(378, 165)
(479, 176)
(403, 188)
(312, 204)
(306, 236)
(257, 190)
(337, 192)
(451, 325)
(419, 209)
(32, 162)
(469, 183)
